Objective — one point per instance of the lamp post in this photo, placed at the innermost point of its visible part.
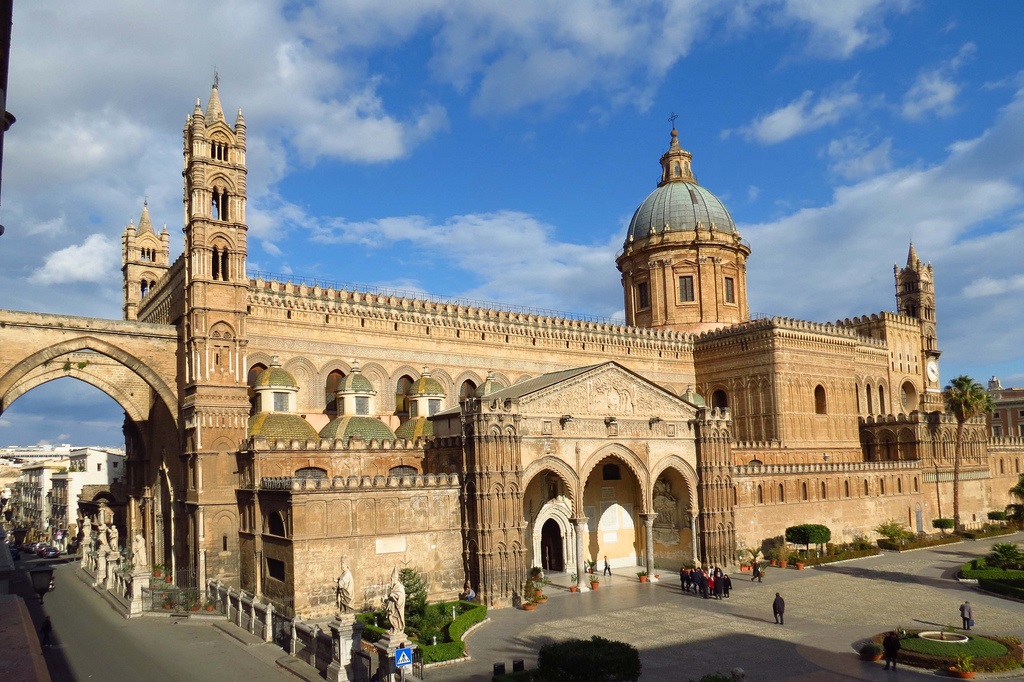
(41, 578)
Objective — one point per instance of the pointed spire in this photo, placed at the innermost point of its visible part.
(675, 163)
(239, 120)
(912, 259)
(198, 111)
(214, 112)
(145, 224)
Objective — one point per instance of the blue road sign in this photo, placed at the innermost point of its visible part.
(403, 657)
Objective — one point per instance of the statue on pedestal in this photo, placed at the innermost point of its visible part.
(139, 554)
(394, 604)
(113, 537)
(101, 537)
(345, 588)
(86, 525)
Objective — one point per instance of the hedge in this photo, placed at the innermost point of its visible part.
(976, 569)
(1008, 588)
(842, 556)
(470, 615)
(987, 533)
(917, 544)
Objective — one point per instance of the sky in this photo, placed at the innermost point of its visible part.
(497, 150)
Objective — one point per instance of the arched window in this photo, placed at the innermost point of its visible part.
(402, 395)
(899, 485)
(310, 472)
(467, 390)
(917, 487)
(824, 491)
(719, 399)
(881, 486)
(803, 491)
(846, 488)
(782, 493)
(399, 471)
(881, 400)
(866, 490)
(275, 524)
(331, 391)
(760, 495)
(254, 373)
(1001, 467)
(867, 392)
(611, 472)
(820, 406)
(219, 204)
(219, 264)
(856, 395)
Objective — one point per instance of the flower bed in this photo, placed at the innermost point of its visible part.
(469, 615)
(976, 569)
(989, 653)
(987, 532)
(841, 556)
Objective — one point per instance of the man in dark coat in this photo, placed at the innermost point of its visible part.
(684, 579)
(726, 584)
(779, 609)
(891, 647)
(966, 614)
(704, 584)
(756, 572)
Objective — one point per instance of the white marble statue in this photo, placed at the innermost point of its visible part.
(101, 537)
(139, 554)
(113, 538)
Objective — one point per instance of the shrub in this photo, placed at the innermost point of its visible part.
(415, 598)
(997, 516)
(1007, 588)
(870, 649)
(986, 532)
(917, 544)
(942, 524)
(1006, 555)
(593, 660)
(894, 531)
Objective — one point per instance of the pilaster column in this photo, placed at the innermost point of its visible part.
(581, 528)
(693, 536)
(648, 520)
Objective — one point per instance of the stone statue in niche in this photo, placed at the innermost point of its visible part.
(345, 588)
(666, 525)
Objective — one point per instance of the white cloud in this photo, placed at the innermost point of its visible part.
(91, 261)
(934, 92)
(853, 158)
(802, 115)
(839, 29)
(990, 286)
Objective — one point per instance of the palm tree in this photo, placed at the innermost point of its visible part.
(966, 399)
(1017, 510)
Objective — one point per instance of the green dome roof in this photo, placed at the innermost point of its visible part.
(489, 386)
(426, 385)
(679, 205)
(420, 427)
(280, 426)
(691, 396)
(275, 377)
(368, 428)
(355, 382)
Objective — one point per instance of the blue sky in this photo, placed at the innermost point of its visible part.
(496, 151)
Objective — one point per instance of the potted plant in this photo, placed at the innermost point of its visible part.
(158, 570)
(591, 565)
(573, 587)
(528, 606)
(964, 668)
(642, 575)
(870, 651)
(594, 581)
(210, 606)
(536, 572)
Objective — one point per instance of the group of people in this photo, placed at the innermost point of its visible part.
(709, 584)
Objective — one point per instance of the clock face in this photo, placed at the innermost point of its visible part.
(933, 370)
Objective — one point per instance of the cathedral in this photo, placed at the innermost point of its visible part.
(306, 423)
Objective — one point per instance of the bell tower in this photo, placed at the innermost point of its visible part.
(145, 259)
(215, 403)
(915, 297)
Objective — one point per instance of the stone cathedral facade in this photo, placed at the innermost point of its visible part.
(472, 443)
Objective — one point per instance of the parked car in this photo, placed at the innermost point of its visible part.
(51, 552)
(41, 549)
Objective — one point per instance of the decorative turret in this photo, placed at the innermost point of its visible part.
(683, 264)
(915, 297)
(426, 397)
(275, 418)
(145, 259)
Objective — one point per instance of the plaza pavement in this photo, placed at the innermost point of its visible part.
(682, 637)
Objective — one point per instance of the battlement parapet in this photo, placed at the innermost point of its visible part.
(353, 483)
(825, 468)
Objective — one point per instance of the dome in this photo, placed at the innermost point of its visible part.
(691, 396)
(367, 428)
(426, 385)
(275, 376)
(280, 426)
(489, 386)
(680, 206)
(355, 383)
(421, 427)
(679, 203)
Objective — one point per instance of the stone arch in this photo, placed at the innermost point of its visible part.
(12, 381)
(563, 471)
(306, 378)
(631, 460)
(686, 471)
(560, 512)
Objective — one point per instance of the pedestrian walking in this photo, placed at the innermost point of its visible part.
(719, 586)
(891, 646)
(726, 584)
(779, 609)
(756, 572)
(684, 578)
(967, 615)
(607, 566)
(46, 629)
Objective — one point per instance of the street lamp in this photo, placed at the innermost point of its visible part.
(41, 578)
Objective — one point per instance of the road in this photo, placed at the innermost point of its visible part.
(94, 642)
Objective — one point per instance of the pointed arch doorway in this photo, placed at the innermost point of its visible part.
(552, 546)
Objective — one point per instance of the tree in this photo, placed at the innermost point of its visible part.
(1016, 511)
(894, 530)
(1005, 555)
(942, 524)
(966, 399)
(807, 534)
(415, 597)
